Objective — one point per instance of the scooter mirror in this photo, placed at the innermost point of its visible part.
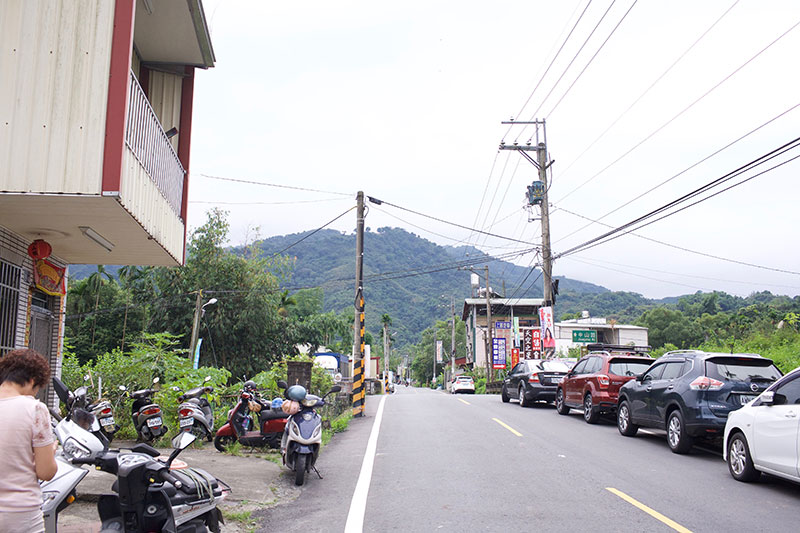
(86, 377)
(123, 388)
(182, 440)
(335, 388)
(176, 389)
(282, 384)
(61, 390)
(208, 378)
(156, 379)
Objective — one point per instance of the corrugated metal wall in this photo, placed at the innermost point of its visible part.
(142, 199)
(164, 94)
(54, 66)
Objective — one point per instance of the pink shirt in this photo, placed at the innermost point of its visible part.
(24, 424)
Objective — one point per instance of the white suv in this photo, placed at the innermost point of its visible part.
(463, 384)
(762, 435)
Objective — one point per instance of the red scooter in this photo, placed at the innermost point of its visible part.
(240, 426)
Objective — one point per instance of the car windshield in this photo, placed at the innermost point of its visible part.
(741, 369)
(629, 367)
(553, 366)
(468, 380)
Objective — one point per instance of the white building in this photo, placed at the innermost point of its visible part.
(604, 331)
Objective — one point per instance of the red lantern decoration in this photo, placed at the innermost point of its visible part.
(39, 249)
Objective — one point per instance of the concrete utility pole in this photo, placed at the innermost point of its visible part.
(489, 366)
(433, 379)
(358, 324)
(542, 165)
(453, 339)
(198, 306)
(386, 358)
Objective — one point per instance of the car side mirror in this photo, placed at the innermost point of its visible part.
(767, 398)
(640, 378)
(779, 399)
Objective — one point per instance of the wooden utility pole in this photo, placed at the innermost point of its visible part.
(358, 325)
(453, 339)
(198, 306)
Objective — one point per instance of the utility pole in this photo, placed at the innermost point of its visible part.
(198, 306)
(489, 369)
(433, 378)
(542, 165)
(358, 325)
(386, 358)
(453, 339)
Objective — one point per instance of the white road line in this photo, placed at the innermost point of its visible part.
(358, 505)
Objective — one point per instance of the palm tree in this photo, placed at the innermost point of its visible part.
(95, 283)
(285, 302)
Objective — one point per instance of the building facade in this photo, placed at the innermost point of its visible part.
(95, 138)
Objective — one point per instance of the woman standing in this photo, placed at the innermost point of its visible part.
(27, 441)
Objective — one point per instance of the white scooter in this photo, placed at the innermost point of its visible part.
(303, 434)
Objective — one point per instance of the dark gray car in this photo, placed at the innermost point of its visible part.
(533, 380)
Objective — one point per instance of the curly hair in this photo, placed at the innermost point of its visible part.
(21, 366)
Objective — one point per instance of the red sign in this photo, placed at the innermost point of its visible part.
(49, 277)
(514, 357)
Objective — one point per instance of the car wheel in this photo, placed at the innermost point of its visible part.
(624, 424)
(561, 407)
(589, 413)
(740, 463)
(522, 401)
(679, 441)
(503, 395)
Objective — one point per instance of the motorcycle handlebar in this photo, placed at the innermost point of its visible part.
(170, 478)
(83, 460)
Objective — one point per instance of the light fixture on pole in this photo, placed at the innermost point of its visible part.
(96, 237)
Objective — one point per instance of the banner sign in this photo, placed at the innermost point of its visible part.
(197, 354)
(502, 325)
(548, 331)
(514, 357)
(516, 331)
(438, 351)
(49, 277)
(498, 352)
(531, 343)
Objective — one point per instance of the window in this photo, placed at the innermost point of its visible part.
(9, 300)
(628, 367)
(518, 368)
(594, 366)
(579, 367)
(741, 369)
(788, 393)
(672, 370)
(654, 373)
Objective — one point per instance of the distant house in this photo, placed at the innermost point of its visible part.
(603, 330)
(95, 136)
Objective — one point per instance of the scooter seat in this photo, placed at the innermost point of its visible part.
(273, 415)
(142, 393)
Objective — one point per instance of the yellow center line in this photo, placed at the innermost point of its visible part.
(512, 430)
(463, 401)
(655, 514)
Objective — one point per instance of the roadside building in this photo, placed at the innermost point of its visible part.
(578, 332)
(504, 312)
(95, 137)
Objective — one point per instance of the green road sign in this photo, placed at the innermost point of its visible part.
(584, 335)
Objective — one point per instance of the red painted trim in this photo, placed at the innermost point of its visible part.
(185, 144)
(117, 105)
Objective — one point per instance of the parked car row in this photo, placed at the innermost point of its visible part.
(741, 400)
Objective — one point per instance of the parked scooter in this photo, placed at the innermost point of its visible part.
(194, 412)
(146, 415)
(241, 427)
(303, 435)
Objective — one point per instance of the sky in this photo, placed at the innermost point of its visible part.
(644, 102)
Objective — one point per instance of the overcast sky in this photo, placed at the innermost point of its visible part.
(404, 100)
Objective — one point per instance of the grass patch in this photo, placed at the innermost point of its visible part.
(234, 449)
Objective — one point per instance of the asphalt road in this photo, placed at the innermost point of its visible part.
(472, 463)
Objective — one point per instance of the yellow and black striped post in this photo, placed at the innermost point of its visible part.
(358, 367)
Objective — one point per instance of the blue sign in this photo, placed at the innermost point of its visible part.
(197, 354)
(498, 353)
(502, 325)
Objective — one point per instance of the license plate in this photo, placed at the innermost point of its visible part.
(184, 422)
(744, 398)
(107, 421)
(154, 422)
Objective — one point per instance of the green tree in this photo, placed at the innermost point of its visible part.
(670, 325)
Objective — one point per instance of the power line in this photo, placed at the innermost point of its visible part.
(686, 169)
(613, 234)
(380, 202)
(278, 185)
(313, 232)
(215, 202)
(592, 59)
(566, 170)
(684, 110)
(681, 248)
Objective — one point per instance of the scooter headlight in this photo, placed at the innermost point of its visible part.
(75, 450)
(308, 416)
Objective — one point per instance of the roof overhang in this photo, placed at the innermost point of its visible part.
(173, 32)
(522, 306)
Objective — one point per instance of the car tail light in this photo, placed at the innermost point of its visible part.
(151, 411)
(106, 411)
(602, 380)
(706, 383)
(534, 378)
(185, 412)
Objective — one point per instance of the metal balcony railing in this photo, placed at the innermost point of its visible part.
(150, 144)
